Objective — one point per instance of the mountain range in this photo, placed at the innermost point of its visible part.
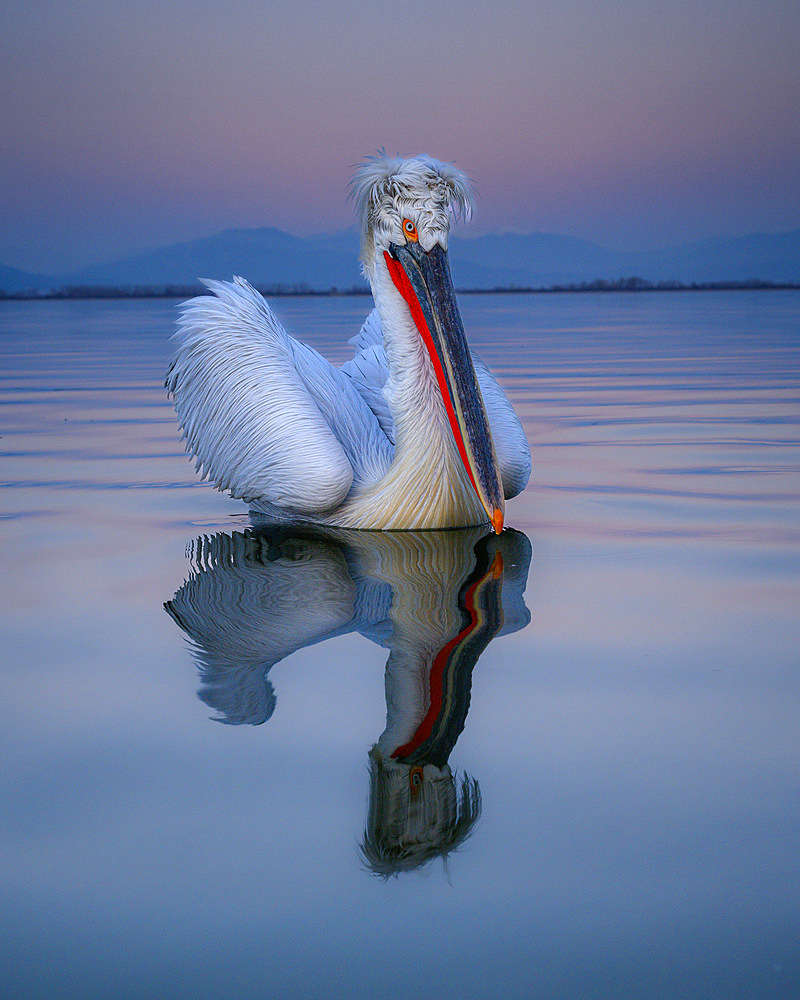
(274, 259)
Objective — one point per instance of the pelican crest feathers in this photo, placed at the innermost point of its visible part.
(385, 189)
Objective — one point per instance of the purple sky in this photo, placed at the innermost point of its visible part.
(635, 123)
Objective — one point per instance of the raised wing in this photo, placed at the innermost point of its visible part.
(266, 417)
(369, 372)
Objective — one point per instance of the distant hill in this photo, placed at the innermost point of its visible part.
(264, 256)
(14, 280)
(534, 259)
(544, 259)
(271, 258)
(769, 256)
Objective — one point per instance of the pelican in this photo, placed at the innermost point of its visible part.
(412, 433)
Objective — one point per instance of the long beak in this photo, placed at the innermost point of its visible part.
(423, 279)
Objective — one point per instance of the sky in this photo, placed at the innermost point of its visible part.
(633, 123)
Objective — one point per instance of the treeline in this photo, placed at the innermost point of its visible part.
(635, 284)
(632, 284)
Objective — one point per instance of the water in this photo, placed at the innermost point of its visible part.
(624, 798)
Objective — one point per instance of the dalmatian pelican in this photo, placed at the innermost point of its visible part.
(413, 433)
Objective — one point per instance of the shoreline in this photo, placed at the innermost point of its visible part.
(174, 291)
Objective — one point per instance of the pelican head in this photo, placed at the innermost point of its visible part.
(405, 207)
(389, 191)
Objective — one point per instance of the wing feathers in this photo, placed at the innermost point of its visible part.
(246, 415)
(367, 447)
(368, 370)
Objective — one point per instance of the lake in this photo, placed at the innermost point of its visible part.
(215, 737)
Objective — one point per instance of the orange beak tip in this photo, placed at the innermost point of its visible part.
(497, 566)
(497, 520)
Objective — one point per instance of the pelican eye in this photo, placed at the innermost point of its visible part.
(410, 230)
(416, 778)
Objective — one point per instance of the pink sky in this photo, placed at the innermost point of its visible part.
(631, 123)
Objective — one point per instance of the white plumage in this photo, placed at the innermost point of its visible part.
(386, 441)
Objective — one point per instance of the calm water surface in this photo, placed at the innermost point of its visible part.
(587, 728)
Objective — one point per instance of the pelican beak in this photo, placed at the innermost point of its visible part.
(423, 279)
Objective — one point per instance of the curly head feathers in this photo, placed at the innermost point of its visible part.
(388, 189)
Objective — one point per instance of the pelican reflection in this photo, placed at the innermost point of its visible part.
(435, 600)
